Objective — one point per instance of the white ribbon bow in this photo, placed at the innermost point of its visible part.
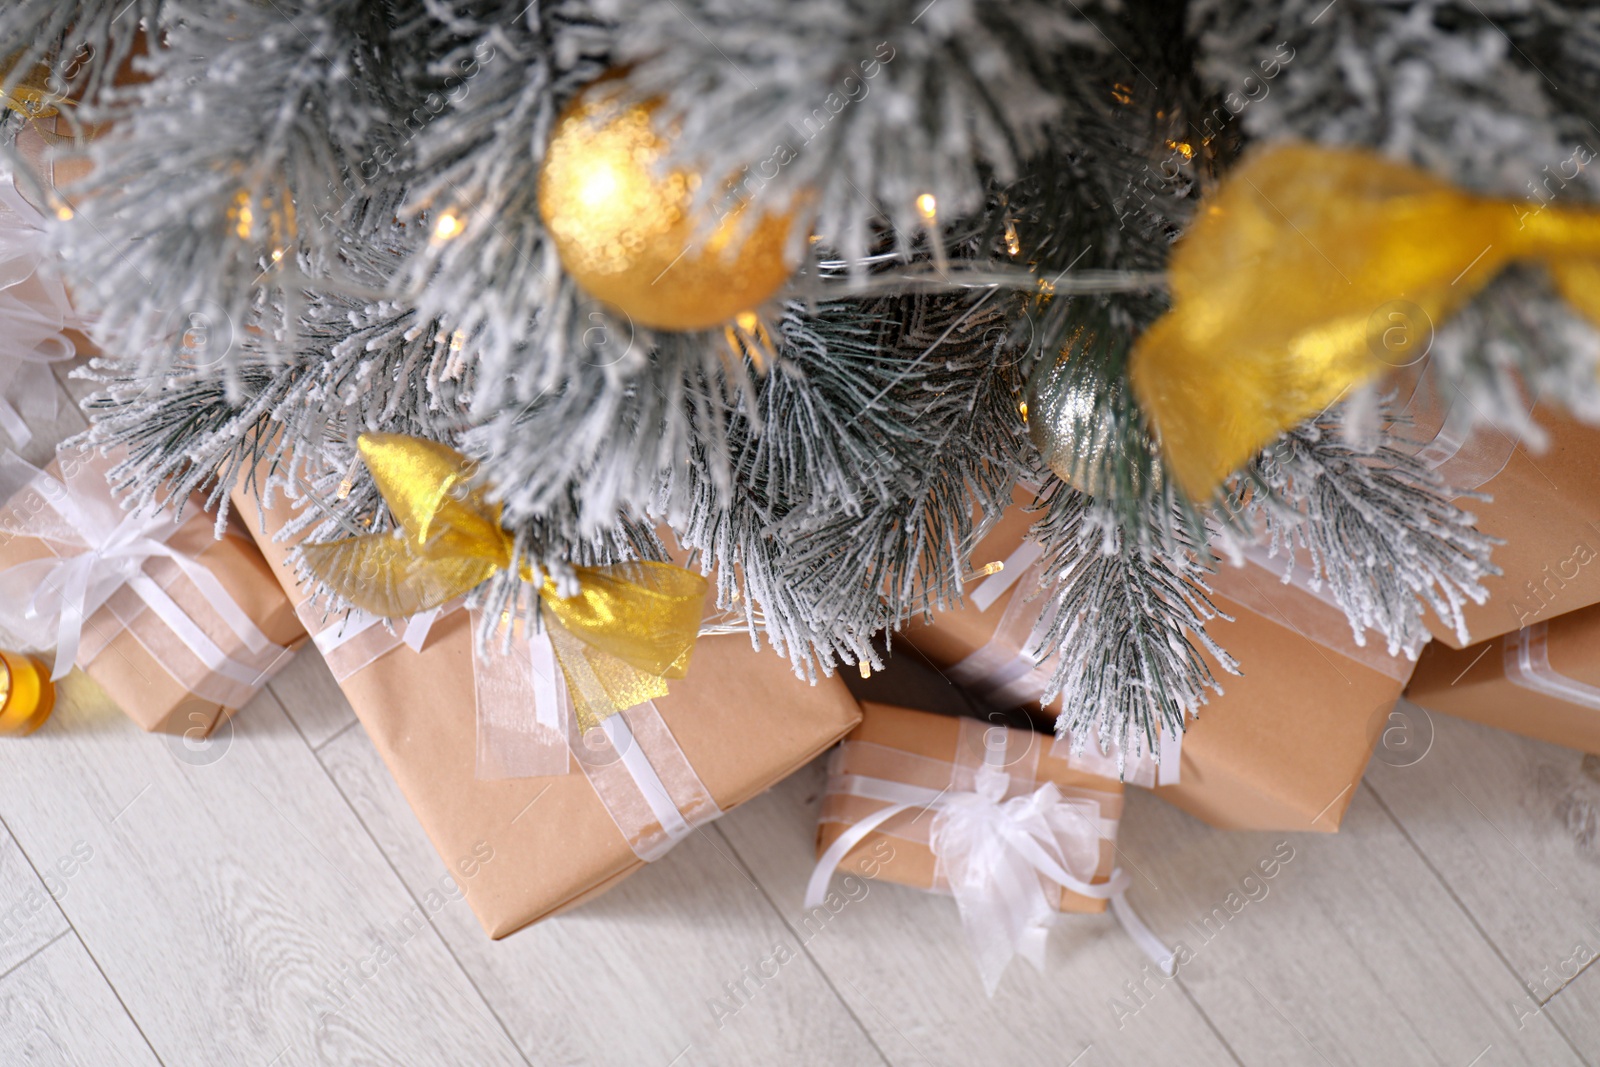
(105, 549)
(34, 309)
(1005, 862)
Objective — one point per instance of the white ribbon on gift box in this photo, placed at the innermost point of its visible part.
(524, 709)
(1315, 616)
(526, 726)
(1526, 660)
(34, 309)
(1465, 455)
(1001, 850)
(100, 552)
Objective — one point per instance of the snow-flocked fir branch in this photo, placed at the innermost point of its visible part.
(874, 458)
(232, 155)
(1128, 625)
(83, 42)
(478, 159)
(849, 110)
(1500, 96)
(1378, 526)
(357, 365)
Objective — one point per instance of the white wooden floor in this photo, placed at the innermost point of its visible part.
(222, 904)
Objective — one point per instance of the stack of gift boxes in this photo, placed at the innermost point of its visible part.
(1285, 745)
(181, 627)
(180, 622)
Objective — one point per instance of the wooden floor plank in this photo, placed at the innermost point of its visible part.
(898, 956)
(56, 1010)
(639, 975)
(1512, 826)
(29, 917)
(1575, 1007)
(1352, 953)
(308, 694)
(233, 900)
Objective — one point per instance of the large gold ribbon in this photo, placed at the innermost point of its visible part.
(630, 627)
(1288, 285)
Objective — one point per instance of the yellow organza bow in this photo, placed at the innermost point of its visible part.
(1288, 287)
(630, 627)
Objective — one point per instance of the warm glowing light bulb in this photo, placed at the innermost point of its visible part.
(1023, 407)
(928, 204)
(1013, 242)
(244, 216)
(447, 227)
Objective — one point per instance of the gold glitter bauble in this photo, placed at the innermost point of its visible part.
(32, 94)
(625, 234)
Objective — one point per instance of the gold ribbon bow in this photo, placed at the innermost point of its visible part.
(630, 627)
(1289, 286)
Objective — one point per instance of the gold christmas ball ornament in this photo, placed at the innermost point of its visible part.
(625, 232)
(35, 93)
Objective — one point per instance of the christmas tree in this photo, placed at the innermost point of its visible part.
(816, 283)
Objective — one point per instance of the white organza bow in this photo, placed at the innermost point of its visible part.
(99, 549)
(34, 310)
(1005, 861)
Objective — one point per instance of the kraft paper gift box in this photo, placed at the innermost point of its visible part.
(1285, 744)
(526, 848)
(958, 641)
(1542, 681)
(986, 813)
(943, 752)
(179, 627)
(1544, 505)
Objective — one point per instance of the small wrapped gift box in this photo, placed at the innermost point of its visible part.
(1543, 504)
(982, 812)
(178, 626)
(1541, 681)
(437, 709)
(1284, 746)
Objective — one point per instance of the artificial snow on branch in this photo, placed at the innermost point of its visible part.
(1127, 623)
(1378, 526)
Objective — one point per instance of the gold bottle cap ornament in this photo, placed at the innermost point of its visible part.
(27, 695)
